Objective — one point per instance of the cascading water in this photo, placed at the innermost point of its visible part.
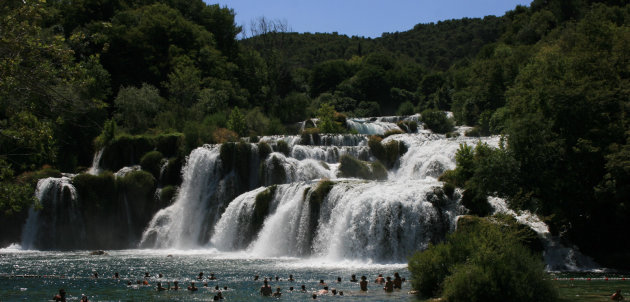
(95, 169)
(184, 223)
(58, 224)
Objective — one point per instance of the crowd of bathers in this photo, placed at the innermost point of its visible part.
(389, 285)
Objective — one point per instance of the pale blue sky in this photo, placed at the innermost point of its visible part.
(369, 18)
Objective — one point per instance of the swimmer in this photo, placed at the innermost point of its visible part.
(224, 287)
(146, 276)
(192, 287)
(341, 293)
(215, 298)
(389, 285)
(116, 276)
(128, 283)
(159, 287)
(200, 276)
(334, 291)
(380, 279)
(363, 283)
(216, 287)
(84, 299)
(160, 276)
(205, 284)
(397, 281)
(323, 291)
(354, 278)
(617, 296)
(220, 295)
(256, 278)
(212, 277)
(95, 275)
(277, 279)
(321, 282)
(303, 289)
(145, 282)
(61, 297)
(277, 293)
(175, 285)
(291, 278)
(314, 296)
(265, 290)
(291, 288)
(338, 279)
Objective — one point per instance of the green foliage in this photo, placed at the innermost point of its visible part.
(97, 192)
(17, 196)
(437, 121)
(392, 132)
(152, 163)
(379, 172)
(237, 122)
(274, 171)
(481, 261)
(136, 107)
(406, 108)
(327, 123)
(138, 186)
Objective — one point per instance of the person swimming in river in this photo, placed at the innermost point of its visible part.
(277, 293)
(116, 276)
(200, 276)
(617, 296)
(146, 276)
(175, 285)
(291, 278)
(323, 291)
(256, 278)
(363, 283)
(397, 281)
(61, 297)
(84, 299)
(192, 287)
(160, 287)
(354, 278)
(321, 282)
(212, 277)
(389, 285)
(303, 289)
(380, 279)
(265, 290)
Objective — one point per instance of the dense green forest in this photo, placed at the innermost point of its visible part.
(553, 78)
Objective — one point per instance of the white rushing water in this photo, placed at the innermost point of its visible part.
(95, 169)
(185, 222)
(295, 204)
(59, 201)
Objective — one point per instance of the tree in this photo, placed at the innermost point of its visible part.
(136, 107)
(237, 122)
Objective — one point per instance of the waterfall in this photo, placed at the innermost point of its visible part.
(58, 224)
(185, 223)
(95, 169)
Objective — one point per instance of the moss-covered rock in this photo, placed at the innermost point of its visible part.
(379, 172)
(263, 150)
(152, 163)
(236, 156)
(283, 147)
(408, 126)
(392, 132)
(127, 150)
(352, 167)
(272, 171)
(97, 193)
(167, 196)
(172, 175)
(261, 208)
(388, 153)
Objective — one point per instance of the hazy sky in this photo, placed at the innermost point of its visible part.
(369, 18)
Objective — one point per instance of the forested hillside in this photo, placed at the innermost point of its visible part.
(552, 77)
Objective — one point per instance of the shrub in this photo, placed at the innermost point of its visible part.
(96, 192)
(389, 153)
(152, 163)
(138, 186)
(437, 121)
(273, 171)
(173, 173)
(408, 126)
(476, 202)
(405, 108)
(481, 261)
(223, 135)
